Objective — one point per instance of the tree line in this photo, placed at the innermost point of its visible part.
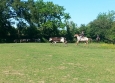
(38, 19)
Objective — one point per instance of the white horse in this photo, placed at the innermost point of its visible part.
(81, 39)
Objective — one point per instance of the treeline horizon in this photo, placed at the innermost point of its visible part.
(39, 19)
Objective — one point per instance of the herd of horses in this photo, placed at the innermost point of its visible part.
(55, 40)
(80, 38)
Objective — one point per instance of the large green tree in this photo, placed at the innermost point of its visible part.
(102, 25)
(50, 17)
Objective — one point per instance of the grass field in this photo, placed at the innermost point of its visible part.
(45, 63)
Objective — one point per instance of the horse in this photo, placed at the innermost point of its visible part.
(81, 39)
(97, 39)
(54, 40)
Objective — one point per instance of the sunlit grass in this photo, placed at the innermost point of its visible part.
(45, 63)
(111, 46)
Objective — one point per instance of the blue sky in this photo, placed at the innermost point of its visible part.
(84, 11)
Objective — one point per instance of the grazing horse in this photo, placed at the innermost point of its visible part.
(81, 39)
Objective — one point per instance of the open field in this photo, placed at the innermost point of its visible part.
(45, 63)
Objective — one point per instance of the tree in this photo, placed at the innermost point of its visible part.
(71, 30)
(102, 25)
(5, 25)
(111, 34)
(49, 18)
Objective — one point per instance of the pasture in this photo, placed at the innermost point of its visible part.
(45, 63)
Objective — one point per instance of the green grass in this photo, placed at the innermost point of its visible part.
(45, 63)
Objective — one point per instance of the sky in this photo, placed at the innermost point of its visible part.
(85, 11)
